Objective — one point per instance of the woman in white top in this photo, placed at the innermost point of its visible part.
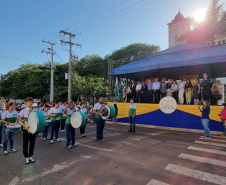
(55, 124)
(82, 130)
(46, 129)
(9, 117)
(181, 91)
(175, 90)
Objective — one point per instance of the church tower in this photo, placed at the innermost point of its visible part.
(178, 27)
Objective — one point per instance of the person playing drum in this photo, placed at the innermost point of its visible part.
(99, 121)
(70, 131)
(27, 137)
(132, 115)
(55, 122)
(9, 117)
(1, 124)
(82, 130)
(62, 121)
(46, 129)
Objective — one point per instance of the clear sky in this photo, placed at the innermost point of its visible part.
(24, 23)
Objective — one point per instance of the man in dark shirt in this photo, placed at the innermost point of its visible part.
(143, 93)
(206, 87)
(133, 91)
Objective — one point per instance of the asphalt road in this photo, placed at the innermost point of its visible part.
(147, 157)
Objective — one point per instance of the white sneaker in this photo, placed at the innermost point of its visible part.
(84, 135)
(62, 131)
(74, 145)
(1, 145)
(69, 146)
(58, 140)
(51, 142)
(13, 151)
(44, 138)
(27, 161)
(31, 160)
(5, 152)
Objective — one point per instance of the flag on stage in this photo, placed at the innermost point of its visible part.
(116, 88)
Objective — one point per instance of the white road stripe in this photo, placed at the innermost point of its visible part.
(207, 150)
(216, 179)
(155, 182)
(209, 143)
(216, 137)
(203, 159)
(203, 138)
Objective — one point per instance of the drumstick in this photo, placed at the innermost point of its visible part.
(27, 125)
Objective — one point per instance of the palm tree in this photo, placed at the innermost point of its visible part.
(206, 31)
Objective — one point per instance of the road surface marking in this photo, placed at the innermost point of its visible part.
(209, 143)
(208, 177)
(203, 138)
(155, 182)
(203, 159)
(207, 150)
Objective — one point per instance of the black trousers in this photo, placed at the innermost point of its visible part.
(143, 97)
(28, 137)
(213, 100)
(128, 97)
(175, 95)
(62, 123)
(163, 94)
(133, 96)
(185, 99)
(206, 95)
(83, 129)
(156, 95)
(150, 96)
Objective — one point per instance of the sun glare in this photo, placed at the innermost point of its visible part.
(200, 15)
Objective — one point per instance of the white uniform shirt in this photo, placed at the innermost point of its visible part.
(70, 111)
(1, 112)
(23, 106)
(133, 106)
(84, 110)
(8, 114)
(41, 109)
(97, 106)
(63, 107)
(24, 113)
(138, 87)
(46, 113)
(54, 110)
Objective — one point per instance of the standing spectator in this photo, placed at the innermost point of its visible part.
(205, 87)
(132, 115)
(185, 82)
(150, 92)
(214, 91)
(223, 117)
(133, 90)
(196, 91)
(181, 91)
(138, 89)
(156, 87)
(175, 90)
(163, 88)
(143, 93)
(116, 113)
(128, 91)
(168, 88)
(205, 118)
(188, 88)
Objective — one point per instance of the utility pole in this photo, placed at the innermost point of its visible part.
(70, 59)
(52, 67)
(110, 80)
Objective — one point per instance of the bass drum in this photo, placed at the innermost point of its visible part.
(36, 122)
(78, 119)
(107, 111)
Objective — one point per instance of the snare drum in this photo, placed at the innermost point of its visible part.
(36, 122)
(13, 128)
(88, 116)
(78, 119)
(107, 111)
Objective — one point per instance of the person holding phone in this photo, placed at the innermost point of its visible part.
(205, 118)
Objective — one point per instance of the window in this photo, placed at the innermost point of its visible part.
(223, 42)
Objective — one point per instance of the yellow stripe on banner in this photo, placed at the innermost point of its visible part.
(193, 109)
(142, 108)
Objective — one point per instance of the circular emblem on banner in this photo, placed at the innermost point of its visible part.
(168, 105)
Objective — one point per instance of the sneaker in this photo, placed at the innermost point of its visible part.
(74, 145)
(58, 140)
(84, 135)
(44, 138)
(130, 130)
(31, 160)
(13, 151)
(1, 145)
(27, 161)
(51, 142)
(5, 152)
(62, 131)
(47, 138)
(69, 146)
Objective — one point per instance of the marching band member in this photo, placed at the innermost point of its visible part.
(1, 124)
(82, 130)
(9, 117)
(132, 115)
(46, 129)
(100, 122)
(62, 121)
(40, 106)
(26, 135)
(70, 131)
(24, 105)
(55, 124)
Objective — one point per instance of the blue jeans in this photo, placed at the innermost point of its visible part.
(8, 136)
(55, 125)
(115, 118)
(1, 127)
(205, 124)
(100, 127)
(132, 122)
(45, 131)
(138, 97)
(70, 135)
(62, 123)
